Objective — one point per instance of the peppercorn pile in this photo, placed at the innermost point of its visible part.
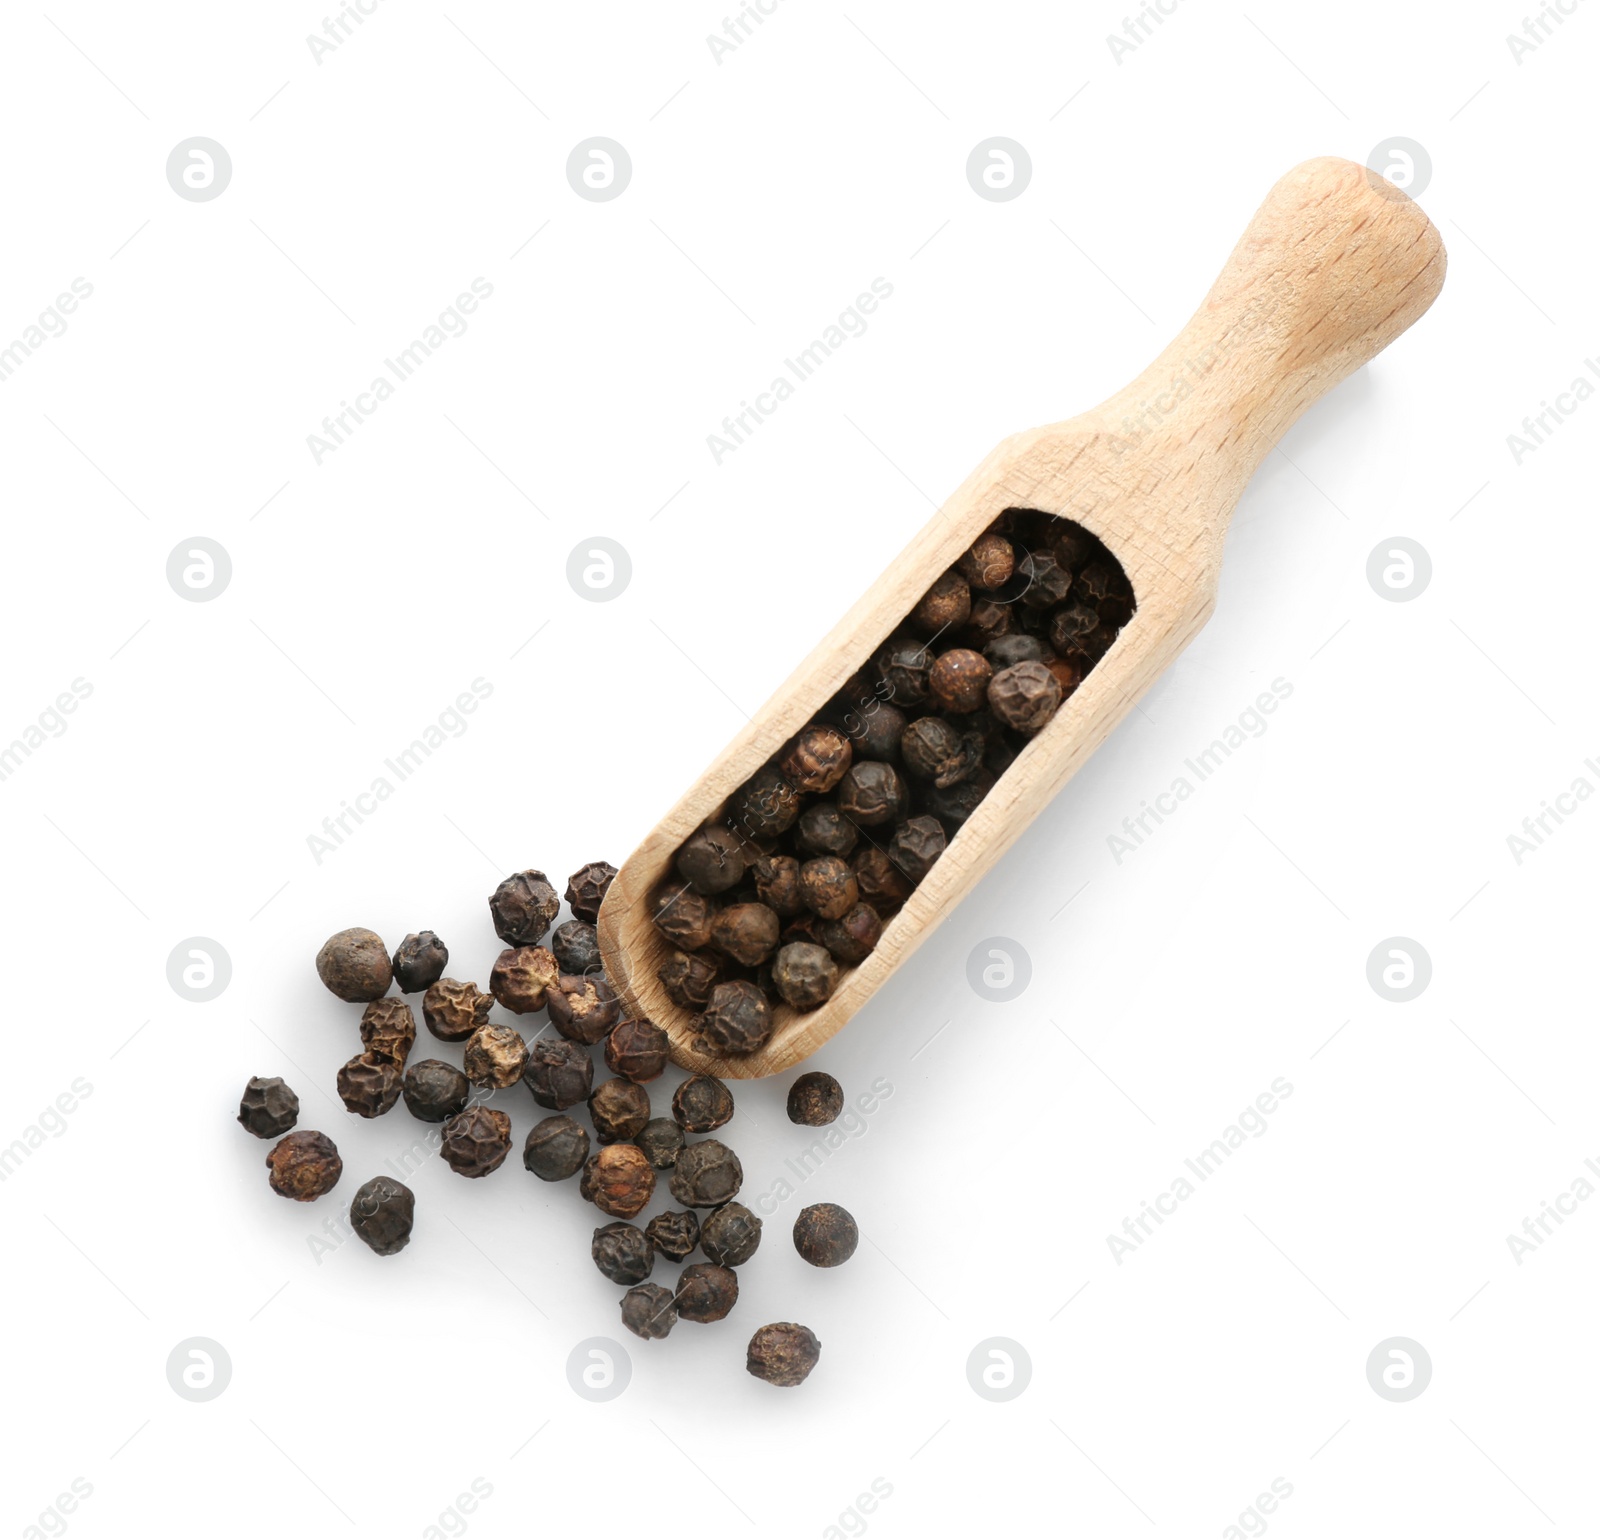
(618, 1169)
(820, 848)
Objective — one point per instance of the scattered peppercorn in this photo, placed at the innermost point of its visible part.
(435, 1091)
(804, 974)
(619, 1109)
(387, 1026)
(621, 1180)
(558, 1073)
(522, 978)
(706, 1174)
(556, 1148)
(783, 1353)
(495, 1057)
(355, 965)
(583, 1008)
(738, 1019)
(587, 888)
(825, 1235)
(712, 860)
(576, 947)
(636, 1050)
(370, 1084)
(706, 1292)
(381, 1213)
(660, 1139)
(748, 933)
(649, 1311)
(523, 907)
(453, 1011)
(419, 961)
(701, 1104)
(815, 1099)
(674, 1233)
(623, 1252)
(476, 1142)
(729, 1236)
(268, 1108)
(689, 977)
(303, 1166)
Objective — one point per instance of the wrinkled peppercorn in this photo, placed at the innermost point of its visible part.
(1069, 673)
(875, 730)
(988, 622)
(476, 1142)
(583, 1009)
(929, 745)
(522, 978)
(738, 1019)
(453, 1011)
(1024, 696)
(636, 1050)
(880, 882)
(1048, 581)
(815, 1099)
(777, 880)
(712, 860)
(369, 1085)
(623, 1252)
(435, 1091)
(783, 1353)
(825, 1235)
(766, 804)
(851, 939)
(674, 1233)
(1072, 545)
(988, 562)
(689, 978)
(804, 974)
(817, 759)
(558, 1073)
(828, 887)
(587, 888)
(872, 793)
(824, 831)
(706, 1292)
(959, 679)
(268, 1108)
(523, 907)
(902, 667)
(660, 1139)
(419, 961)
(701, 1104)
(381, 1213)
(945, 606)
(649, 1311)
(556, 1148)
(495, 1057)
(621, 1180)
(576, 946)
(706, 1175)
(953, 805)
(729, 1236)
(1017, 648)
(387, 1026)
(684, 917)
(303, 1166)
(748, 933)
(1070, 626)
(618, 1109)
(355, 965)
(916, 845)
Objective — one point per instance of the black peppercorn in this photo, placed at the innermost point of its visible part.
(1048, 581)
(476, 1142)
(959, 679)
(1024, 696)
(777, 880)
(851, 940)
(1070, 626)
(1072, 545)
(649, 1311)
(953, 805)
(381, 1213)
(706, 1292)
(706, 1175)
(576, 946)
(684, 917)
(623, 1252)
(701, 1104)
(766, 804)
(522, 978)
(268, 1108)
(711, 860)
(880, 882)
(817, 759)
(828, 887)
(783, 1353)
(495, 1057)
(804, 974)
(824, 831)
(583, 1009)
(989, 621)
(729, 1236)
(523, 907)
(1019, 647)
(660, 1139)
(825, 1235)
(636, 1050)
(556, 1148)
(748, 933)
(303, 1166)
(620, 1180)
(902, 669)
(738, 1019)
(875, 730)
(435, 1091)
(618, 1109)
(872, 793)
(945, 606)
(689, 977)
(916, 845)
(453, 1011)
(988, 562)
(387, 1026)
(929, 744)
(419, 961)
(815, 1099)
(674, 1233)
(355, 965)
(369, 1085)
(559, 1073)
(587, 888)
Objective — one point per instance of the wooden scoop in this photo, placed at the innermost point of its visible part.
(1335, 265)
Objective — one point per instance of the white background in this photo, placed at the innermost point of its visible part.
(1168, 991)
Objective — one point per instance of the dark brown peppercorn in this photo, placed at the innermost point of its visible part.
(880, 882)
(851, 940)
(1024, 696)
(660, 1139)
(684, 917)
(674, 1233)
(559, 1073)
(556, 1148)
(872, 793)
(1069, 673)
(712, 860)
(381, 1213)
(453, 1011)
(1048, 581)
(1070, 626)
(815, 1100)
(738, 1019)
(701, 1104)
(268, 1108)
(783, 1353)
(621, 1180)
(916, 845)
(419, 961)
(875, 731)
(766, 804)
(824, 831)
(828, 887)
(777, 880)
(689, 977)
(804, 974)
(989, 561)
(706, 1292)
(825, 1235)
(1073, 545)
(959, 679)
(636, 1050)
(583, 1009)
(623, 1252)
(435, 1091)
(476, 1142)
(369, 1085)
(355, 965)
(902, 666)
(1019, 647)
(387, 1026)
(706, 1175)
(748, 933)
(522, 978)
(587, 888)
(817, 759)
(618, 1109)
(576, 946)
(929, 743)
(649, 1311)
(988, 622)
(523, 907)
(303, 1166)
(945, 606)
(495, 1057)
(729, 1236)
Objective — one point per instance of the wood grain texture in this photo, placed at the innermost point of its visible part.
(1335, 265)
